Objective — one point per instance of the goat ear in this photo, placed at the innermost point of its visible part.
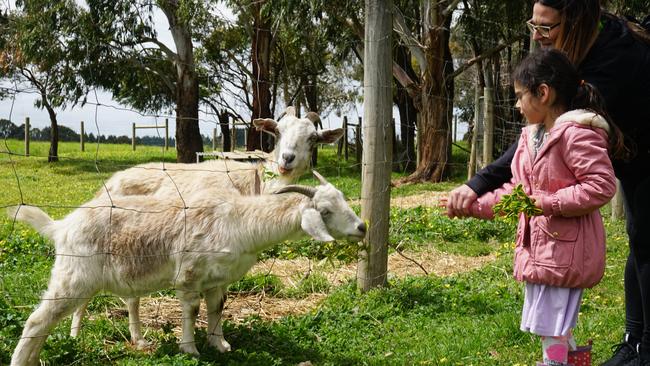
(290, 111)
(329, 136)
(267, 125)
(314, 225)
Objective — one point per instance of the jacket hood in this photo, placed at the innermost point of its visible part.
(583, 117)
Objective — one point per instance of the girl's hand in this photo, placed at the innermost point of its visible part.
(537, 201)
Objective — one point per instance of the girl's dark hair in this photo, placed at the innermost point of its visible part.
(579, 20)
(553, 68)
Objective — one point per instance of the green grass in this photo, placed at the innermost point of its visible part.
(465, 319)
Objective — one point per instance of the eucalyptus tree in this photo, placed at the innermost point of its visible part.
(256, 19)
(491, 39)
(128, 57)
(37, 49)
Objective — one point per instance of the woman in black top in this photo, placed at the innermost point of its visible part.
(611, 55)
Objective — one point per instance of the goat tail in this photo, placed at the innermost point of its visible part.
(31, 215)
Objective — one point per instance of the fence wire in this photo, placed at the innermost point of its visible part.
(183, 204)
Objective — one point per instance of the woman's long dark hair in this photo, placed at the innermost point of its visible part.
(553, 68)
(579, 20)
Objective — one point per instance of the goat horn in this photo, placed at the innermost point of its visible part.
(320, 178)
(307, 191)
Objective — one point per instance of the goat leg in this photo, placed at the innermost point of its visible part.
(215, 300)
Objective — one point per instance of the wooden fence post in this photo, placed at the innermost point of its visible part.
(488, 121)
(358, 141)
(339, 145)
(27, 127)
(214, 139)
(133, 137)
(233, 136)
(471, 167)
(166, 134)
(81, 137)
(376, 164)
(346, 136)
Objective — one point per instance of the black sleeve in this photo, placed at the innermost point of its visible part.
(494, 175)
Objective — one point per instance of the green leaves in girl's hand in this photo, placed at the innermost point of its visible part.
(511, 205)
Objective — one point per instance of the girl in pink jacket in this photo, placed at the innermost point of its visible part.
(562, 162)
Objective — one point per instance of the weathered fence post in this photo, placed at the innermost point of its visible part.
(339, 146)
(166, 134)
(471, 167)
(27, 127)
(488, 120)
(133, 137)
(82, 142)
(214, 139)
(233, 136)
(345, 138)
(358, 141)
(376, 164)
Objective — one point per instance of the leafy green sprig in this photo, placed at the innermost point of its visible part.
(511, 205)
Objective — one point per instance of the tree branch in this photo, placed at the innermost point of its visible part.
(166, 50)
(242, 67)
(399, 26)
(469, 63)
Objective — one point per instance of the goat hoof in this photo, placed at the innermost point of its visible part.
(223, 346)
(189, 349)
(142, 344)
(220, 344)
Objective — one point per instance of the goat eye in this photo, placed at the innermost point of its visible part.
(325, 212)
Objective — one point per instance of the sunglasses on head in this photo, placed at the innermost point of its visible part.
(542, 30)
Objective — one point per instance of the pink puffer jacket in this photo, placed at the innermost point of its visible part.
(572, 176)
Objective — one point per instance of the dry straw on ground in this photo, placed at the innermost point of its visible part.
(158, 311)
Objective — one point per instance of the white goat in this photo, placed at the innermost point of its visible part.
(149, 246)
(291, 158)
(296, 138)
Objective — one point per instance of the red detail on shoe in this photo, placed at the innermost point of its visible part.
(581, 356)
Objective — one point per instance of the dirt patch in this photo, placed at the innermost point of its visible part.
(427, 199)
(158, 311)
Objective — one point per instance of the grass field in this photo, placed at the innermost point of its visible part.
(464, 318)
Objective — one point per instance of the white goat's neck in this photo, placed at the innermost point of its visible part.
(267, 220)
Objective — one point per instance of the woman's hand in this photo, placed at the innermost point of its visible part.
(459, 201)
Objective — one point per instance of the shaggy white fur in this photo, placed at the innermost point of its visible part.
(143, 244)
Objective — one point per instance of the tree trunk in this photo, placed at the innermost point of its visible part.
(188, 135)
(53, 155)
(406, 155)
(435, 113)
(261, 60)
(225, 130)
(311, 97)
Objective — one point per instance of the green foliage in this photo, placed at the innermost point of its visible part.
(512, 205)
(258, 283)
(470, 318)
(411, 228)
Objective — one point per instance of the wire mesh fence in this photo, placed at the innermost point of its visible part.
(178, 194)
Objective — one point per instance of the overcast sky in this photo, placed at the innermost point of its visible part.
(104, 116)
